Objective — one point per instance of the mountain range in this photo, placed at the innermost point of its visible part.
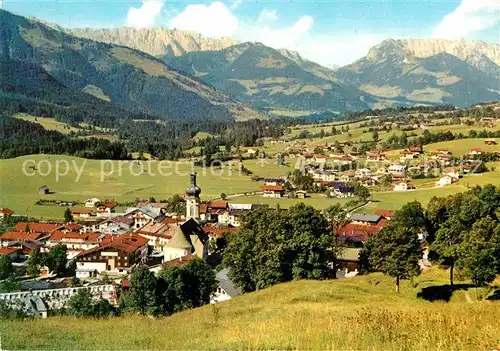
(134, 80)
(182, 75)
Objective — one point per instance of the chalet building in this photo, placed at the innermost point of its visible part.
(490, 142)
(365, 219)
(76, 242)
(27, 246)
(446, 180)
(396, 169)
(348, 176)
(232, 217)
(375, 156)
(12, 252)
(301, 194)
(226, 289)
(324, 175)
(158, 233)
(475, 151)
(115, 225)
(348, 260)
(273, 181)
(106, 208)
(5, 213)
(273, 191)
(342, 190)
(403, 186)
(93, 202)
(144, 215)
(364, 172)
(117, 256)
(34, 227)
(10, 238)
(81, 213)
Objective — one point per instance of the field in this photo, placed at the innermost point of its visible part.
(48, 123)
(361, 313)
(18, 190)
(126, 181)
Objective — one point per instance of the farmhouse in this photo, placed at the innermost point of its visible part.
(94, 202)
(142, 216)
(273, 190)
(33, 227)
(375, 156)
(490, 142)
(10, 238)
(403, 186)
(342, 190)
(225, 287)
(446, 180)
(117, 256)
(44, 189)
(397, 169)
(81, 213)
(348, 260)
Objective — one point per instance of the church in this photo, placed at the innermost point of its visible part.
(189, 237)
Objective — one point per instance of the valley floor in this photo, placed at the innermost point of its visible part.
(361, 313)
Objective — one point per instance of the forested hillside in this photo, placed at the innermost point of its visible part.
(133, 80)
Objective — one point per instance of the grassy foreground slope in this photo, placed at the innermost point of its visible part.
(363, 313)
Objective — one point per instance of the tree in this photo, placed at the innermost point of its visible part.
(35, 262)
(411, 215)
(57, 259)
(68, 216)
(337, 216)
(375, 135)
(200, 282)
(361, 191)
(81, 304)
(6, 268)
(143, 290)
(223, 196)
(481, 252)
(275, 246)
(395, 251)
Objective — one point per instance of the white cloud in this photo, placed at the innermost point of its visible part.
(215, 20)
(338, 49)
(469, 17)
(146, 15)
(1, 3)
(275, 36)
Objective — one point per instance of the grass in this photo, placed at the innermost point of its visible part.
(18, 190)
(48, 123)
(462, 147)
(361, 313)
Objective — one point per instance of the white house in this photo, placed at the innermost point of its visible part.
(94, 202)
(364, 172)
(445, 180)
(402, 186)
(397, 169)
(225, 287)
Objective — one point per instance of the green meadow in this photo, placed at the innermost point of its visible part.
(360, 313)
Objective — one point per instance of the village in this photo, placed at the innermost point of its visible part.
(104, 245)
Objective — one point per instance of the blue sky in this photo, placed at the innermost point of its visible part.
(327, 31)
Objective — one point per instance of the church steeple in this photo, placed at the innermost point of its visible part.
(193, 198)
